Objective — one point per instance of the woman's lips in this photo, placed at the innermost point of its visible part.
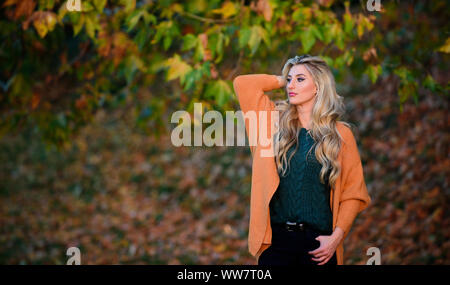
(292, 94)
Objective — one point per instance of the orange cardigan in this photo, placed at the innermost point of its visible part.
(347, 199)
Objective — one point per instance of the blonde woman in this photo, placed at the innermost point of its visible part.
(305, 197)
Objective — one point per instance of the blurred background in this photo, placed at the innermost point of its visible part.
(88, 90)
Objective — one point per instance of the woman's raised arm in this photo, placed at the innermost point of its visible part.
(250, 89)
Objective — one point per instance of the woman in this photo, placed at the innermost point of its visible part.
(305, 197)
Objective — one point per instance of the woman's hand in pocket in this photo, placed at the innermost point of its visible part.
(327, 248)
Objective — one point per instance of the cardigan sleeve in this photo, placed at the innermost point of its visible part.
(249, 89)
(354, 197)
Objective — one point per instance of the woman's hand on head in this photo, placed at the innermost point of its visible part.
(281, 80)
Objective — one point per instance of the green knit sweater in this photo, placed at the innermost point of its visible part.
(300, 196)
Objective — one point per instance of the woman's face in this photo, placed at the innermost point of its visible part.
(300, 85)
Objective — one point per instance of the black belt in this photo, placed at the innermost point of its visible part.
(299, 227)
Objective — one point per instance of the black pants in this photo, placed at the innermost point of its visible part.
(291, 248)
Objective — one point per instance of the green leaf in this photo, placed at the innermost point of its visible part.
(189, 41)
(157, 63)
(78, 25)
(329, 32)
(348, 23)
(302, 15)
(264, 35)
(90, 26)
(364, 24)
(339, 62)
(317, 32)
(258, 33)
(404, 74)
(254, 41)
(244, 37)
(189, 80)
(136, 15)
(328, 60)
(167, 42)
(340, 42)
(149, 18)
(373, 71)
(62, 12)
(220, 91)
(206, 69)
(86, 6)
(99, 5)
(133, 19)
(430, 83)
(46, 4)
(215, 44)
(405, 91)
(133, 63)
(129, 5)
(199, 51)
(168, 30)
(142, 38)
(308, 40)
(348, 56)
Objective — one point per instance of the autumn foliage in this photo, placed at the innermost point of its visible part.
(85, 107)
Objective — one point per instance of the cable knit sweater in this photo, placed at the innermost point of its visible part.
(348, 196)
(300, 196)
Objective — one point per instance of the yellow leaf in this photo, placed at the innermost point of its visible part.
(177, 68)
(90, 27)
(176, 8)
(9, 3)
(51, 20)
(129, 5)
(40, 25)
(360, 30)
(227, 10)
(43, 22)
(220, 247)
(446, 47)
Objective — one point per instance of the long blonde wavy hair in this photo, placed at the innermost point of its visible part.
(328, 108)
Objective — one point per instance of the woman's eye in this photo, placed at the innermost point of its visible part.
(298, 79)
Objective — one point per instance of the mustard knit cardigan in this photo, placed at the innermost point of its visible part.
(347, 199)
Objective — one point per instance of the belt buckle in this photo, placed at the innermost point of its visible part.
(301, 226)
(288, 226)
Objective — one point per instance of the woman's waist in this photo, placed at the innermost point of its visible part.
(299, 227)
